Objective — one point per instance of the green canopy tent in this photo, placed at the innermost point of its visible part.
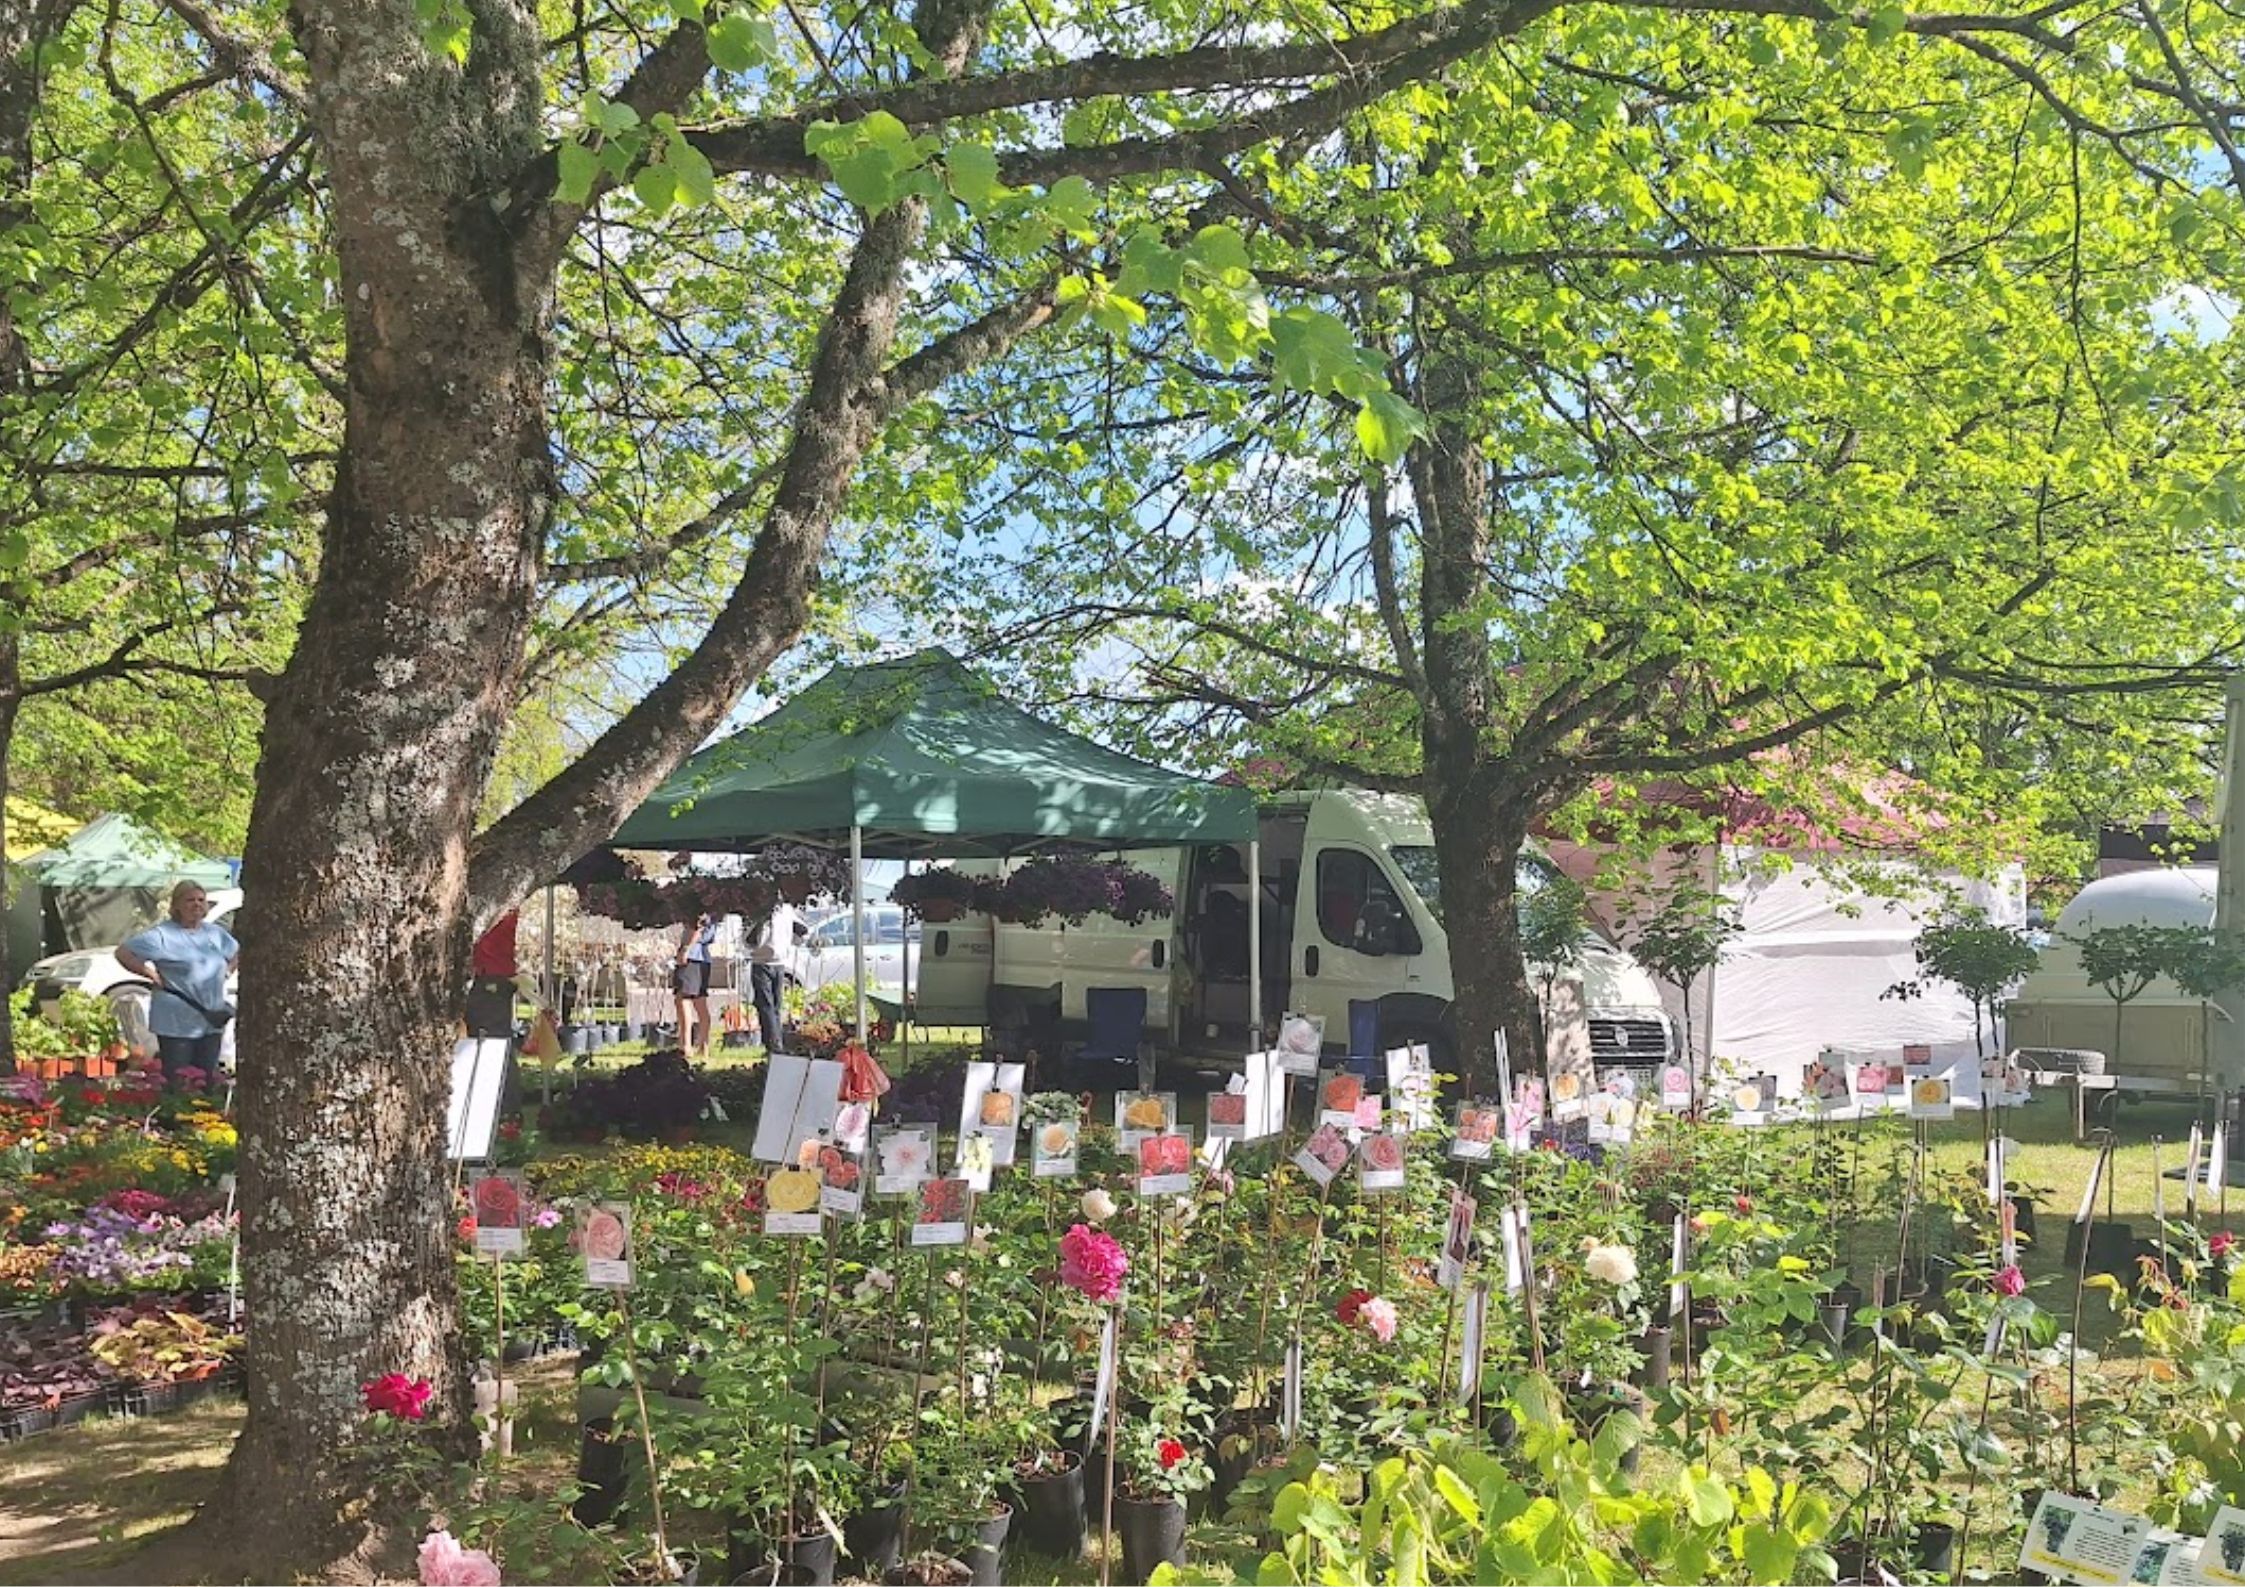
(922, 756)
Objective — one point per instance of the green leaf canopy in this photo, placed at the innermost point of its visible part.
(925, 757)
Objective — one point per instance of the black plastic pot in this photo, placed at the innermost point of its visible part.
(1245, 1438)
(874, 1537)
(2023, 1217)
(1655, 1346)
(985, 1556)
(1590, 1409)
(1053, 1517)
(1937, 1547)
(803, 1561)
(1837, 1314)
(601, 1473)
(1153, 1531)
(2112, 1249)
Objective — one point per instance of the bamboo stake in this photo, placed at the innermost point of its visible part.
(663, 1565)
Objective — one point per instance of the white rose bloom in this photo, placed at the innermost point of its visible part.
(1098, 1206)
(1615, 1264)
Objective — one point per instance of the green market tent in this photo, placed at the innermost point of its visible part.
(921, 756)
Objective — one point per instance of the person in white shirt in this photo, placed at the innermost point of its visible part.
(767, 972)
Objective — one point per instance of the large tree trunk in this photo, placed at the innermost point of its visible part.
(1480, 819)
(1477, 843)
(379, 742)
(377, 746)
(10, 704)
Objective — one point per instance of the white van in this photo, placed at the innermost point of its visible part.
(1351, 913)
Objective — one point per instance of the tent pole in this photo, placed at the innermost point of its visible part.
(904, 990)
(857, 921)
(1255, 942)
(552, 1001)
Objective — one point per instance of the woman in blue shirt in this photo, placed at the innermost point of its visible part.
(691, 982)
(187, 960)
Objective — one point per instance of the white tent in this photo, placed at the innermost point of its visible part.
(1823, 938)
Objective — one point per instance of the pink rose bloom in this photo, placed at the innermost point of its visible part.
(2010, 1281)
(1092, 1263)
(1378, 1314)
(444, 1563)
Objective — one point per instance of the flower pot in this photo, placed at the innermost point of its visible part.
(1153, 1532)
(1937, 1548)
(806, 1560)
(874, 1536)
(984, 1558)
(929, 1570)
(1654, 1345)
(1837, 1313)
(1245, 1438)
(2023, 1217)
(937, 911)
(1590, 1408)
(1053, 1519)
(2112, 1249)
(601, 1473)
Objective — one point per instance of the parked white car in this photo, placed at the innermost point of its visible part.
(95, 971)
(827, 954)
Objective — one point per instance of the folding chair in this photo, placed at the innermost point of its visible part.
(1364, 1036)
(1117, 1017)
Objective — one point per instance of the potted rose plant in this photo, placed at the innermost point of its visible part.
(1159, 1471)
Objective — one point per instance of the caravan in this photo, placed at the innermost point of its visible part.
(1351, 914)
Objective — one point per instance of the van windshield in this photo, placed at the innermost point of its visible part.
(1417, 863)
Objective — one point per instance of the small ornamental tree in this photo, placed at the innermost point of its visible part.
(1679, 933)
(2123, 960)
(2206, 963)
(1976, 956)
(1553, 929)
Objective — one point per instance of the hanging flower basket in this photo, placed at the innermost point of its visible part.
(935, 894)
(1076, 889)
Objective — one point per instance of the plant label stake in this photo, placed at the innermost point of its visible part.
(2190, 1172)
(1290, 1395)
(1471, 1344)
(2073, 1342)
(1110, 1371)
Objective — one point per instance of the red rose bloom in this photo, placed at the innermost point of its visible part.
(1744, 1203)
(1170, 1453)
(466, 1229)
(1351, 1304)
(2221, 1245)
(395, 1394)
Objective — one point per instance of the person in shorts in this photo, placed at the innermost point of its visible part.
(690, 982)
(186, 959)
